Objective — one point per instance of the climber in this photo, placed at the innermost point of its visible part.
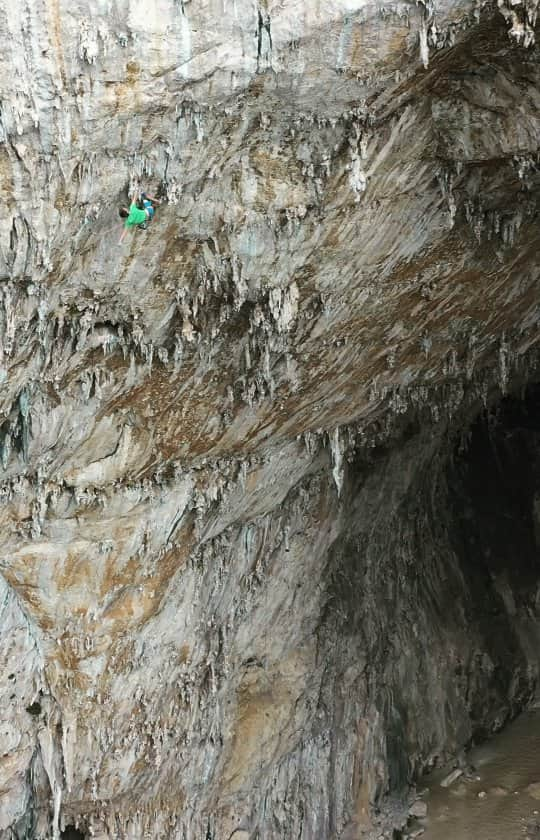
(141, 211)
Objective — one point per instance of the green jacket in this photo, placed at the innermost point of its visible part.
(136, 216)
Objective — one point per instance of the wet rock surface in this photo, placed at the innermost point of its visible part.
(267, 544)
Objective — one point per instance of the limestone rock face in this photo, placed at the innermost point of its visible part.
(248, 588)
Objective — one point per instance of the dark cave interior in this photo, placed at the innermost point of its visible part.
(494, 496)
(433, 587)
(72, 833)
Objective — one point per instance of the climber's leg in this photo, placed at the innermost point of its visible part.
(149, 207)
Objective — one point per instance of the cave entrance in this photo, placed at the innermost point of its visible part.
(497, 496)
(72, 833)
(493, 792)
(494, 487)
(433, 591)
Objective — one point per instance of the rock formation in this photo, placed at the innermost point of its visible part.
(268, 545)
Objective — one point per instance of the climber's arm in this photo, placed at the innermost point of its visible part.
(122, 235)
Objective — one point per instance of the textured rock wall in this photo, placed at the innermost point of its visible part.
(214, 621)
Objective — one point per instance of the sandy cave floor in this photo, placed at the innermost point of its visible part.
(498, 798)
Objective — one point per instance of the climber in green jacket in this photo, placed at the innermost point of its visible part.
(140, 212)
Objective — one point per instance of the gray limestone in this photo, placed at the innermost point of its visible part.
(231, 601)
